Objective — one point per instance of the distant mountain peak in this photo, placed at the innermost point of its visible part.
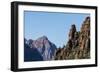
(43, 37)
(45, 47)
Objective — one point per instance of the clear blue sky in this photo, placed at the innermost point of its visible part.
(54, 25)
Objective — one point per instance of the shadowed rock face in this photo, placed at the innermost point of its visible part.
(78, 45)
(31, 54)
(44, 48)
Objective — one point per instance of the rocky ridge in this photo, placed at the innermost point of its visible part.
(78, 45)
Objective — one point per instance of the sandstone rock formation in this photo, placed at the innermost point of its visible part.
(78, 45)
